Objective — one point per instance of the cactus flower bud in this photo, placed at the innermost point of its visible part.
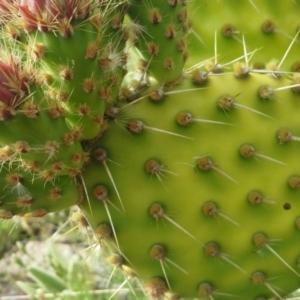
(44, 15)
(12, 83)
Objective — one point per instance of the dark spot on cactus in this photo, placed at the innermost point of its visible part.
(30, 109)
(287, 206)
(73, 172)
(100, 192)
(31, 166)
(68, 138)
(260, 240)
(181, 44)
(89, 84)
(55, 193)
(259, 66)
(51, 147)
(205, 163)
(65, 73)
(55, 110)
(58, 166)
(116, 21)
(77, 132)
(200, 77)
(47, 175)
(155, 16)
(155, 287)
(62, 96)
(92, 50)
(156, 211)
(184, 118)
(182, 16)
(115, 260)
(296, 84)
(80, 219)
(39, 213)
(258, 278)
(157, 95)
(294, 182)
(112, 111)
(100, 154)
(38, 51)
(296, 66)
(228, 30)
(266, 92)
(129, 272)
(247, 151)
(226, 103)
(6, 112)
(169, 63)
(65, 29)
(153, 167)
(205, 289)
(241, 70)
(268, 26)
(284, 135)
(186, 26)
(5, 153)
(14, 179)
(170, 31)
(157, 252)
(103, 231)
(21, 147)
(212, 249)
(99, 120)
(173, 3)
(135, 126)
(255, 197)
(24, 201)
(105, 93)
(298, 260)
(84, 110)
(6, 214)
(153, 48)
(298, 224)
(209, 209)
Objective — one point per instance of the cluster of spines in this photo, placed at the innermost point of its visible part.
(61, 64)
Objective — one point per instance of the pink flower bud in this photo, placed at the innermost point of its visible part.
(45, 14)
(39, 14)
(31, 22)
(12, 83)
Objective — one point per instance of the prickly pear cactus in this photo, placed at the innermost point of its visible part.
(188, 175)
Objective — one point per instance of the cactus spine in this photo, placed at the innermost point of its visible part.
(188, 176)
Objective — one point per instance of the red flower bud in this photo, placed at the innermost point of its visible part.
(12, 83)
(39, 14)
(44, 14)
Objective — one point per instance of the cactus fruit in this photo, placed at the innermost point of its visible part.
(189, 177)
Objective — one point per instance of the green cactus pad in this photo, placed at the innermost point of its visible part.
(193, 194)
(22, 194)
(159, 32)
